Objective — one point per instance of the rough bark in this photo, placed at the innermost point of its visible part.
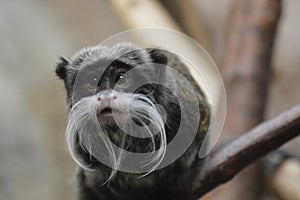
(227, 162)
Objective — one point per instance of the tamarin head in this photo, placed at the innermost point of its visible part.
(116, 100)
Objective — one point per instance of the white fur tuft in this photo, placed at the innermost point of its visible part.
(83, 125)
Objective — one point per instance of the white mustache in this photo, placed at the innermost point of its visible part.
(83, 125)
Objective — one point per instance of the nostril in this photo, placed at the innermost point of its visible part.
(114, 97)
(99, 98)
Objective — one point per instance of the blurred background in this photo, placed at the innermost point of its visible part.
(34, 162)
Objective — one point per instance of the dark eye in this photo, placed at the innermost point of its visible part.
(121, 79)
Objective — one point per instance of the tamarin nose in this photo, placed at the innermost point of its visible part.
(107, 96)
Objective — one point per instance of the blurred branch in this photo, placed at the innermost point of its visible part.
(189, 19)
(256, 143)
(285, 181)
(183, 16)
(246, 72)
(141, 14)
(246, 64)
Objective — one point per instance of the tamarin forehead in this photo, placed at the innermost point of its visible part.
(129, 54)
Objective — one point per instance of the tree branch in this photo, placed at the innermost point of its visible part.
(246, 64)
(253, 145)
(246, 71)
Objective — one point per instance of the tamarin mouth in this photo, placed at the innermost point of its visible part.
(106, 110)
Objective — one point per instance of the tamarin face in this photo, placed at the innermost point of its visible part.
(101, 68)
(115, 97)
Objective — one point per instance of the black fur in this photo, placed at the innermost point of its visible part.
(157, 56)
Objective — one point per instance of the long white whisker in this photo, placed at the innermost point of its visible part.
(84, 129)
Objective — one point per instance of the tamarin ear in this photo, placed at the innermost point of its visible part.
(158, 56)
(61, 68)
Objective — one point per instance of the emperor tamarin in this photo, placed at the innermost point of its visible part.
(125, 101)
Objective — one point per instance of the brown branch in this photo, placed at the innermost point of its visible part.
(246, 71)
(231, 159)
(246, 65)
